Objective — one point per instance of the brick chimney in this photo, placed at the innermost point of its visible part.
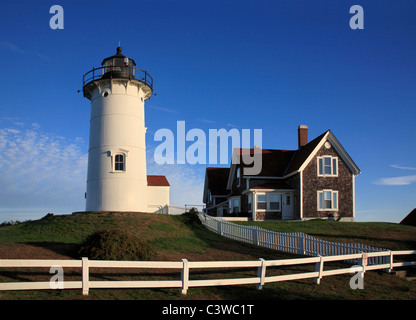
(302, 135)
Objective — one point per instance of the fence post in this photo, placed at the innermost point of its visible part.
(184, 276)
(255, 237)
(261, 273)
(363, 262)
(391, 262)
(85, 277)
(319, 267)
(301, 243)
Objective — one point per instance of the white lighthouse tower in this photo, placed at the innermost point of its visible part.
(117, 178)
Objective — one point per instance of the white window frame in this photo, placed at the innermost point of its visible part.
(334, 200)
(258, 201)
(113, 154)
(333, 160)
(268, 202)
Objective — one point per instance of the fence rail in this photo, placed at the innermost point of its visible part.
(294, 242)
(172, 210)
(185, 266)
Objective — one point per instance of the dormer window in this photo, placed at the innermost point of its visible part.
(328, 166)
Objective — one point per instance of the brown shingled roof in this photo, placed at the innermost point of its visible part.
(274, 162)
(157, 181)
(278, 163)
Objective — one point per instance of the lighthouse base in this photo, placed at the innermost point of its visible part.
(108, 212)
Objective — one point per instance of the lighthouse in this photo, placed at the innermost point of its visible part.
(117, 180)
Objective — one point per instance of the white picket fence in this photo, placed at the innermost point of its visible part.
(293, 242)
(185, 266)
(172, 210)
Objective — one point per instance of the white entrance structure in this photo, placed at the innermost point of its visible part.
(117, 179)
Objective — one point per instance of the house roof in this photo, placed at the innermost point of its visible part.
(282, 163)
(279, 185)
(274, 162)
(302, 154)
(410, 219)
(157, 181)
(217, 180)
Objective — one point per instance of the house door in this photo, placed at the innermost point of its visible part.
(287, 206)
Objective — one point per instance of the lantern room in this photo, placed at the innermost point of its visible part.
(118, 66)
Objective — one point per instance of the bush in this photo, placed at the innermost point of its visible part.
(115, 244)
(192, 218)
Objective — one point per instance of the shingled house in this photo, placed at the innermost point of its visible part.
(314, 181)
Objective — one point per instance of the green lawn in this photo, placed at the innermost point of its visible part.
(59, 236)
(391, 236)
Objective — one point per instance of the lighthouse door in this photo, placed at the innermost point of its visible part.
(287, 206)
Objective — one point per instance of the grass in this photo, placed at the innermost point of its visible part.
(391, 236)
(58, 237)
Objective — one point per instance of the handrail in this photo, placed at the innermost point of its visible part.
(97, 74)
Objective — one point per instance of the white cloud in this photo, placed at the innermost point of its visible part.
(39, 172)
(10, 47)
(205, 120)
(402, 167)
(396, 181)
(163, 109)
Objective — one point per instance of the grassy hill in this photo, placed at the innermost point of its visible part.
(386, 235)
(59, 236)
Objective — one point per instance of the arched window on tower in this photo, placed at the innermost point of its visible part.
(119, 162)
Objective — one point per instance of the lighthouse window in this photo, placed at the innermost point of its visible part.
(119, 162)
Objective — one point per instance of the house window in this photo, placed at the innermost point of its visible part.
(327, 200)
(238, 177)
(250, 200)
(288, 199)
(269, 201)
(261, 202)
(274, 201)
(328, 166)
(236, 205)
(119, 164)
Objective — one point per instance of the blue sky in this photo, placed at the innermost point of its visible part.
(269, 65)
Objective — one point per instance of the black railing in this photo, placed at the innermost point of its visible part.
(112, 71)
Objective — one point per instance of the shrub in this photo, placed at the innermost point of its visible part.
(115, 244)
(191, 217)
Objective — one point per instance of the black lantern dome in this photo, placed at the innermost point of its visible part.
(118, 66)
